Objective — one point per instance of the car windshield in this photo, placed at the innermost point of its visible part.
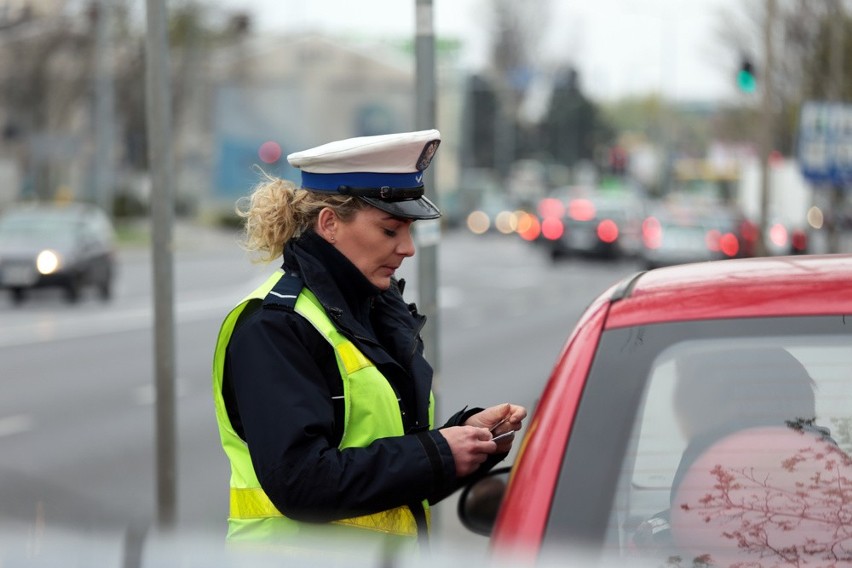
(720, 425)
(37, 227)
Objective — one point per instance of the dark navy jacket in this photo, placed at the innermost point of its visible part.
(280, 380)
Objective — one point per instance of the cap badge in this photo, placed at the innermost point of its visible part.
(426, 156)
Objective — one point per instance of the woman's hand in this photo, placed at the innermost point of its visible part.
(470, 446)
(499, 420)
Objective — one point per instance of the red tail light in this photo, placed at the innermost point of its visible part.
(711, 239)
(552, 228)
(607, 231)
(551, 207)
(729, 244)
(800, 241)
(748, 231)
(778, 235)
(581, 210)
(652, 233)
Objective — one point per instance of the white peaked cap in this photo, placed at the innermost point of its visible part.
(385, 153)
(385, 171)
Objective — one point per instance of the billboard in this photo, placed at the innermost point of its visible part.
(825, 143)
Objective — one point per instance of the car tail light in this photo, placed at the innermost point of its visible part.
(799, 241)
(748, 231)
(652, 233)
(552, 229)
(711, 240)
(729, 244)
(607, 231)
(551, 207)
(778, 235)
(581, 210)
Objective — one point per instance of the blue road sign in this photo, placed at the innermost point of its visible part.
(825, 143)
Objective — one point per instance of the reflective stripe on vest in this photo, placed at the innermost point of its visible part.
(371, 412)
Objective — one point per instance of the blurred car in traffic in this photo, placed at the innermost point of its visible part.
(494, 212)
(698, 415)
(590, 223)
(679, 233)
(70, 246)
(785, 238)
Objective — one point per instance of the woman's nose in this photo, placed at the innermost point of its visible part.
(406, 243)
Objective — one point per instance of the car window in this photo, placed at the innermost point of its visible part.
(24, 227)
(636, 465)
(706, 395)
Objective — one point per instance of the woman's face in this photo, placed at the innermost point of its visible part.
(376, 242)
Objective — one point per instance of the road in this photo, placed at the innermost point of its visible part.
(77, 414)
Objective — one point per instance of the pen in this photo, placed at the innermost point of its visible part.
(496, 425)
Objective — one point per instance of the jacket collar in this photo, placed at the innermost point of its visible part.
(350, 300)
(338, 284)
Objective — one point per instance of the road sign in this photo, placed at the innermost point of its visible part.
(825, 143)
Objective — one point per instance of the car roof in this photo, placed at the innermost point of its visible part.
(753, 287)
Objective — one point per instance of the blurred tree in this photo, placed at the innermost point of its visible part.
(195, 29)
(573, 127)
(802, 65)
(47, 83)
(480, 112)
(527, 104)
(45, 69)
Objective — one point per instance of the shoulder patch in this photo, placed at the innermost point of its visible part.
(284, 293)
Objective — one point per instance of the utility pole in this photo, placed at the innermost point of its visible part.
(428, 232)
(838, 23)
(104, 107)
(162, 213)
(766, 127)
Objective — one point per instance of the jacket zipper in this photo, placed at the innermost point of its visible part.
(335, 313)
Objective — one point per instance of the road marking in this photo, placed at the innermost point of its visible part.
(145, 395)
(16, 424)
(79, 325)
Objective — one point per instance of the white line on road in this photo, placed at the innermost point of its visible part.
(75, 326)
(16, 424)
(146, 395)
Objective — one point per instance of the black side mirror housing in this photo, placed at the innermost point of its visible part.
(480, 501)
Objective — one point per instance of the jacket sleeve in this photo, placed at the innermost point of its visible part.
(287, 414)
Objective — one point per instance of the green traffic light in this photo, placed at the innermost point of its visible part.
(746, 79)
(746, 82)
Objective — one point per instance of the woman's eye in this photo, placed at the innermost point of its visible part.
(389, 232)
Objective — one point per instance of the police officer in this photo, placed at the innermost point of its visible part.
(323, 396)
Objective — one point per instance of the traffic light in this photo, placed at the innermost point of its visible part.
(746, 76)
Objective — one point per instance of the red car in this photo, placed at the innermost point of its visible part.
(698, 415)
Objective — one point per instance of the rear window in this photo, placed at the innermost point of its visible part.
(723, 440)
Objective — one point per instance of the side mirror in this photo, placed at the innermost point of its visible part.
(480, 501)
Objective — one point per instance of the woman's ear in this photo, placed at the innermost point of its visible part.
(327, 222)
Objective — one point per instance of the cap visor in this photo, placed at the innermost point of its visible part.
(420, 208)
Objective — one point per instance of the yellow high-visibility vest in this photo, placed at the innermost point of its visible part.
(371, 412)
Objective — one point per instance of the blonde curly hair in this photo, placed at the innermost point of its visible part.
(277, 211)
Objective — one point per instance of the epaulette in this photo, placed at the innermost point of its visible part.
(284, 293)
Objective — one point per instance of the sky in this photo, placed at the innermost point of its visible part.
(620, 47)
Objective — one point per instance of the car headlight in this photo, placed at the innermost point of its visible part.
(47, 261)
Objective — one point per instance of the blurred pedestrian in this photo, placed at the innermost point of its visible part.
(323, 396)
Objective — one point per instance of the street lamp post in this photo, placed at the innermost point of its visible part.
(766, 128)
(428, 232)
(162, 213)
